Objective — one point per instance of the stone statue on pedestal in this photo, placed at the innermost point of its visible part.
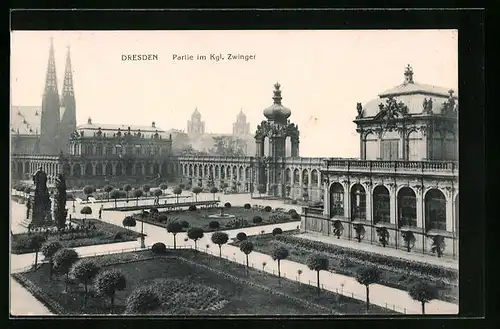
(41, 205)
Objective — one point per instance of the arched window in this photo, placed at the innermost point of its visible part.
(89, 171)
(77, 170)
(450, 147)
(109, 149)
(407, 208)
(390, 146)
(222, 172)
(415, 152)
(296, 177)
(156, 169)
(371, 147)
(119, 169)
(435, 210)
(305, 177)
(314, 177)
(336, 200)
(358, 202)
(128, 169)
(119, 150)
(98, 149)
(437, 146)
(98, 169)
(288, 176)
(381, 205)
(109, 169)
(138, 169)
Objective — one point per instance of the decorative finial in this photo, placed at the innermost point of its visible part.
(89, 121)
(277, 93)
(277, 86)
(408, 74)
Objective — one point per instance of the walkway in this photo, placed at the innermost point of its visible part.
(379, 294)
(444, 262)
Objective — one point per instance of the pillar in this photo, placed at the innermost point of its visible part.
(326, 200)
(392, 204)
(369, 202)
(420, 208)
(449, 212)
(401, 148)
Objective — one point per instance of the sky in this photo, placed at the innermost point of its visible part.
(323, 74)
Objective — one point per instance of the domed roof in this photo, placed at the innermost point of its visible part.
(277, 112)
(412, 94)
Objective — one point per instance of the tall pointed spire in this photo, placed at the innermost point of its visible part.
(51, 77)
(68, 120)
(50, 116)
(68, 76)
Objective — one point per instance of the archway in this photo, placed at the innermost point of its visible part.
(222, 172)
(435, 210)
(89, 171)
(314, 177)
(296, 177)
(119, 169)
(77, 170)
(407, 208)
(109, 169)
(305, 177)
(358, 202)
(381, 205)
(98, 169)
(128, 169)
(336, 200)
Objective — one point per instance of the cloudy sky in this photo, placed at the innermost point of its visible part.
(323, 75)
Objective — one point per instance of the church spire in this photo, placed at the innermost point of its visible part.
(68, 77)
(51, 77)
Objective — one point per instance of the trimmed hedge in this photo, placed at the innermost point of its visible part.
(257, 219)
(277, 231)
(384, 260)
(192, 207)
(227, 205)
(214, 225)
(268, 209)
(247, 206)
(159, 248)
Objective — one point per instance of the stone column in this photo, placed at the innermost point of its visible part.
(379, 147)
(401, 146)
(369, 201)
(82, 169)
(347, 201)
(449, 212)
(420, 207)
(362, 144)
(392, 203)
(326, 200)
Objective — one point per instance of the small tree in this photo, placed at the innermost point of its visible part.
(63, 260)
(164, 186)
(196, 190)
(367, 276)
(127, 188)
(146, 188)
(220, 238)
(261, 189)
(177, 191)
(86, 211)
(317, 262)
(157, 192)
(88, 190)
(108, 282)
(48, 250)
(35, 242)
(246, 247)
(214, 190)
(423, 292)
(278, 254)
(84, 271)
(277, 231)
(142, 300)
(241, 236)
(129, 221)
(263, 266)
(195, 233)
(137, 194)
(115, 194)
(257, 219)
(174, 228)
(214, 225)
(108, 189)
(182, 186)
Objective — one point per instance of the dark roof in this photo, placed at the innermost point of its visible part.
(90, 128)
(416, 88)
(25, 119)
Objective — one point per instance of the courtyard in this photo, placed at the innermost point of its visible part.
(381, 295)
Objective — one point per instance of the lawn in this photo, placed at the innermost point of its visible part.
(199, 218)
(391, 276)
(194, 283)
(99, 233)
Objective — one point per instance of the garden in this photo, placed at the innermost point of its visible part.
(212, 219)
(77, 233)
(395, 272)
(169, 282)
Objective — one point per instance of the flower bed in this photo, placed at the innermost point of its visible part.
(194, 283)
(200, 218)
(396, 272)
(95, 232)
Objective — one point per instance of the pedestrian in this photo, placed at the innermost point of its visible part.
(100, 212)
(74, 209)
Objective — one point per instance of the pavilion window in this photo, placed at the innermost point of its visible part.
(130, 150)
(407, 211)
(118, 150)
(109, 150)
(98, 150)
(381, 205)
(435, 210)
(137, 150)
(337, 201)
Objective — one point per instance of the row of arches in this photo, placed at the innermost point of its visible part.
(90, 169)
(434, 206)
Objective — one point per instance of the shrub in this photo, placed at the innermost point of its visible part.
(294, 201)
(162, 218)
(257, 219)
(247, 206)
(195, 233)
(184, 224)
(129, 221)
(118, 236)
(296, 216)
(159, 248)
(277, 231)
(292, 211)
(108, 282)
(227, 205)
(142, 300)
(192, 207)
(423, 292)
(268, 209)
(214, 225)
(241, 236)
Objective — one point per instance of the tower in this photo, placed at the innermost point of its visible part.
(195, 127)
(50, 116)
(241, 128)
(68, 104)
